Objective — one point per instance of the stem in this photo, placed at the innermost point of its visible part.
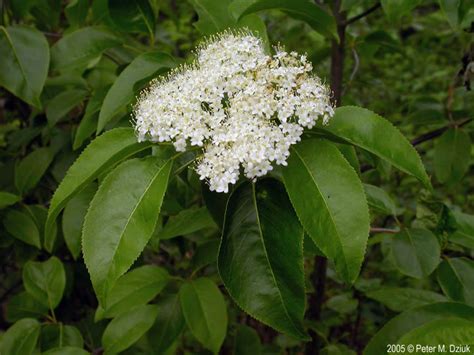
(437, 132)
(363, 14)
(318, 277)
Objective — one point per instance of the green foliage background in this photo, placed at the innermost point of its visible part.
(70, 72)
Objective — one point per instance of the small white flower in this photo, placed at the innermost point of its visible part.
(244, 107)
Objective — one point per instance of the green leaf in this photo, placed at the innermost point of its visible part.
(349, 153)
(62, 104)
(121, 219)
(31, 168)
(99, 156)
(45, 281)
(395, 9)
(441, 331)
(452, 155)
(76, 12)
(379, 200)
(127, 328)
(77, 49)
(137, 287)
(205, 254)
(452, 11)
(66, 350)
(60, 335)
(303, 10)
(8, 199)
(73, 218)
(415, 252)
(456, 278)
(464, 235)
(400, 299)
(21, 226)
(88, 123)
(371, 132)
(132, 15)
(319, 182)
(186, 222)
(23, 305)
(247, 341)
(214, 15)
(20, 338)
(168, 325)
(415, 318)
(205, 312)
(122, 91)
(259, 225)
(25, 61)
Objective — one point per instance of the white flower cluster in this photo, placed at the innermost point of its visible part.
(244, 107)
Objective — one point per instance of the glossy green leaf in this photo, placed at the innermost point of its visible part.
(186, 222)
(214, 15)
(456, 278)
(23, 305)
(31, 168)
(205, 254)
(62, 104)
(247, 341)
(8, 199)
(303, 10)
(218, 15)
(452, 155)
(66, 350)
(262, 244)
(73, 218)
(45, 281)
(168, 325)
(373, 133)
(60, 335)
(413, 319)
(400, 299)
(442, 331)
(395, 9)
(136, 287)
(25, 62)
(121, 219)
(99, 156)
(132, 15)
(415, 252)
(379, 200)
(20, 338)
(124, 330)
(88, 123)
(464, 234)
(76, 12)
(319, 182)
(205, 312)
(349, 153)
(122, 91)
(77, 49)
(22, 226)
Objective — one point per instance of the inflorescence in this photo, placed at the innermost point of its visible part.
(245, 108)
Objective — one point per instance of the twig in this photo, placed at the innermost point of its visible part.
(354, 70)
(363, 14)
(437, 132)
